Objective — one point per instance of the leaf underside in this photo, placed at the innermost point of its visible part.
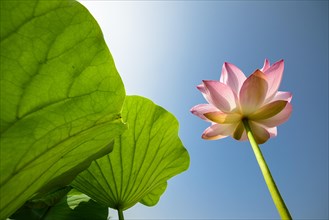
(61, 97)
(143, 159)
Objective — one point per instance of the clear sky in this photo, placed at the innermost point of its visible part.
(164, 49)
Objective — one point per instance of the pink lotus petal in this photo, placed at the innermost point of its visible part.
(217, 131)
(204, 92)
(232, 76)
(265, 66)
(261, 134)
(253, 92)
(273, 131)
(223, 118)
(274, 76)
(201, 109)
(220, 95)
(201, 88)
(268, 110)
(286, 96)
(279, 118)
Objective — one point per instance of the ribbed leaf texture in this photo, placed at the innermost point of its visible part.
(61, 97)
(143, 159)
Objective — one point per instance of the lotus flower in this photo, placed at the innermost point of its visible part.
(235, 98)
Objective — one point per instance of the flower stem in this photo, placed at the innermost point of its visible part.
(120, 214)
(277, 199)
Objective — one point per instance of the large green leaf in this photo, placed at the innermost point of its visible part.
(143, 159)
(71, 206)
(61, 97)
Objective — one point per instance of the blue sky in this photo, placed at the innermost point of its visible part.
(163, 50)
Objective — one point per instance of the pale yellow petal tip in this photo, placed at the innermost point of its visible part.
(212, 138)
(223, 118)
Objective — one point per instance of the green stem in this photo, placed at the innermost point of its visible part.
(120, 214)
(277, 199)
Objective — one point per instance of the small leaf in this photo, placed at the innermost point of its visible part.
(77, 206)
(143, 159)
(61, 97)
(73, 206)
(49, 199)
